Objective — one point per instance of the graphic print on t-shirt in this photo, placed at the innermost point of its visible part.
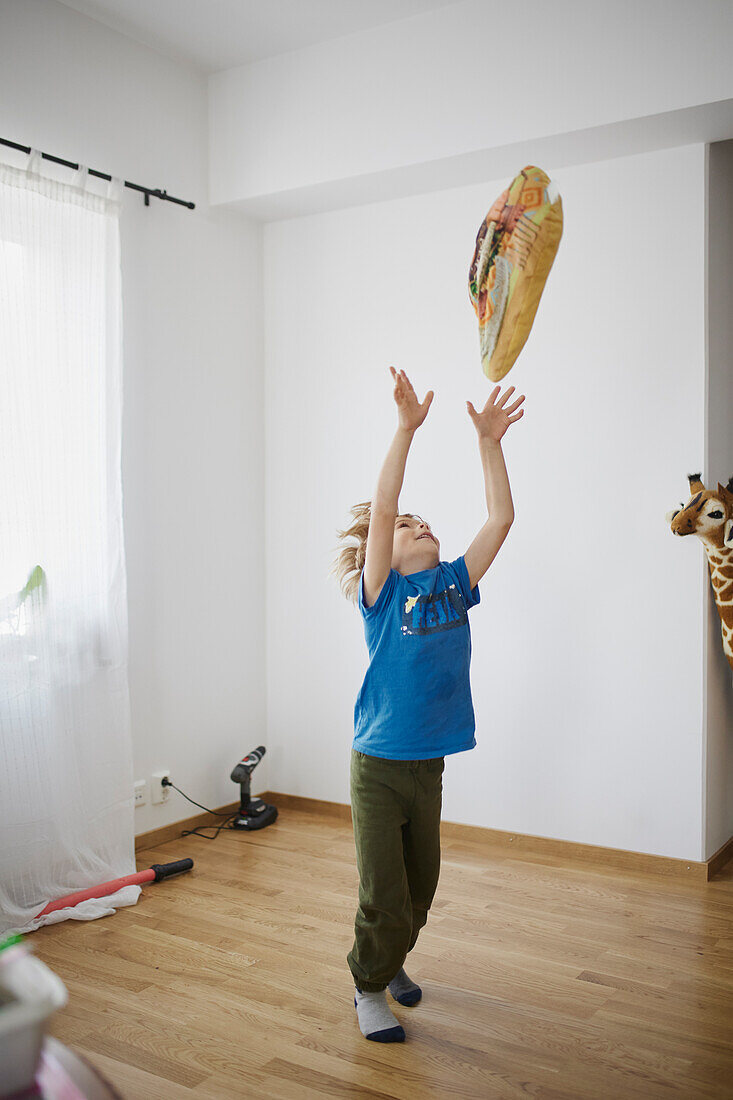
(435, 611)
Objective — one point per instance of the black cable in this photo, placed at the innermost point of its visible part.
(197, 831)
(229, 816)
(216, 813)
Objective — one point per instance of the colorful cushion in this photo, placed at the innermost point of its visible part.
(515, 249)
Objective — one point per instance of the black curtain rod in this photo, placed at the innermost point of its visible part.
(147, 191)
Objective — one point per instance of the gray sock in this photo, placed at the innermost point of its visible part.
(404, 990)
(376, 1022)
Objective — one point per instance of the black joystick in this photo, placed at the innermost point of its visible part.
(253, 812)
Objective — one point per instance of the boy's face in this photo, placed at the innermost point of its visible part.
(415, 547)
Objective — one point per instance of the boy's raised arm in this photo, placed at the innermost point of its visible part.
(385, 502)
(491, 424)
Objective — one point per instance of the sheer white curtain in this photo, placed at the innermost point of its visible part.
(66, 804)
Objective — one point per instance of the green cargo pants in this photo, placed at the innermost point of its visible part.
(395, 809)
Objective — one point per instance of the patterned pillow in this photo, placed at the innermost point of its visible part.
(515, 249)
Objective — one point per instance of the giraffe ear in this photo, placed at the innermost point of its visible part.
(728, 536)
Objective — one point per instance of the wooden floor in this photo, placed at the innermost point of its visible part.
(539, 980)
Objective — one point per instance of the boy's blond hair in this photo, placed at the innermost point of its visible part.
(349, 564)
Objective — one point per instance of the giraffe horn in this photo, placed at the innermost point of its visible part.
(696, 485)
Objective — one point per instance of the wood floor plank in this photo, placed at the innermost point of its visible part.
(541, 979)
(133, 1081)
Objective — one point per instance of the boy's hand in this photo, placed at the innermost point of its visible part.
(411, 412)
(494, 419)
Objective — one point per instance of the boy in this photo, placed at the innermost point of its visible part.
(414, 706)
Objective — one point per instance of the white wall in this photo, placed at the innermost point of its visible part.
(589, 696)
(718, 468)
(192, 427)
(587, 664)
(417, 105)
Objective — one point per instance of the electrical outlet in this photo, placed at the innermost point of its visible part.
(159, 792)
(141, 792)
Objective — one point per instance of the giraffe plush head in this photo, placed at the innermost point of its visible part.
(707, 514)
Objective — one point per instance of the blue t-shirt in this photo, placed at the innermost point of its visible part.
(415, 702)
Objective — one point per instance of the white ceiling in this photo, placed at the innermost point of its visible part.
(219, 34)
